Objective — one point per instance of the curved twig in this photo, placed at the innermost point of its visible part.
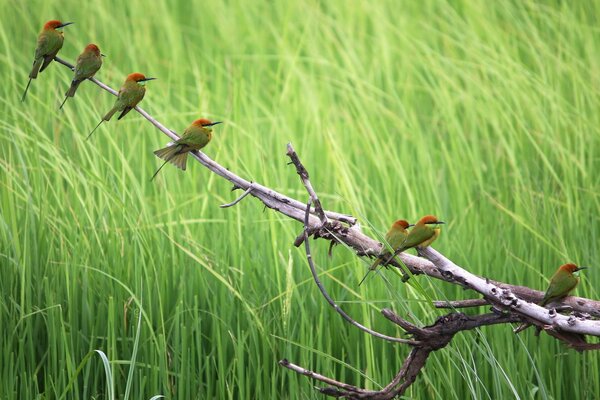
(233, 203)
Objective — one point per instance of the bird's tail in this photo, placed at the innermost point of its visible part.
(172, 154)
(371, 268)
(74, 85)
(37, 63)
(26, 89)
(109, 114)
(93, 130)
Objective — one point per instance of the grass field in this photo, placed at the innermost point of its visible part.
(483, 113)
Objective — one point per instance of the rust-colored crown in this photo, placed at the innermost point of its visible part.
(401, 223)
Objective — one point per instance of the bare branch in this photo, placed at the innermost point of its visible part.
(350, 388)
(233, 203)
(306, 181)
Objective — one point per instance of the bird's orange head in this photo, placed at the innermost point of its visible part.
(429, 220)
(93, 49)
(205, 122)
(401, 224)
(137, 77)
(570, 268)
(55, 24)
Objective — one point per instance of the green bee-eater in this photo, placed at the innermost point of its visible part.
(130, 94)
(561, 283)
(422, 235)
(87, 64)
(195, 137)
(395, 237)
(49, 42)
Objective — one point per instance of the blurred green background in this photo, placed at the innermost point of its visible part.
(483, 113)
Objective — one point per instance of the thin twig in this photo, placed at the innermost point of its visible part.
(350, 388)
(233, 203)
(301, 170)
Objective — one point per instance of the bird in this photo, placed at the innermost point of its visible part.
(395, 237)
(86, 66)
(130, 94)
(422, 235)
(195, 137)
(49, 42)
(562, 283)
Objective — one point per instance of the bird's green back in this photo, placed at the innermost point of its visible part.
(87, 65)
(195, 137)
(130, 94)
(561, 283)
(417, 235)
(49, 42)
(395, 237)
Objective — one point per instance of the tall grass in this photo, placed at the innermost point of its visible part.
(483, 113)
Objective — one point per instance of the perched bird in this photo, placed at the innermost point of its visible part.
(422, 235)
(130, 94)
(49, 42)
(87, 64)
(561, 283)
(395, 237)
(195, 137)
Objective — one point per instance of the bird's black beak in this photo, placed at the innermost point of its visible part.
(65, 24)
(146, 79)
(436, 223)
(214, 123)
(580, 268)
(410, 225)
(102, 55)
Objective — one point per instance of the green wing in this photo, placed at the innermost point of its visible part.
(417, 235)
(87, 67)
(560, 286)
(395, 238)
(195, 138)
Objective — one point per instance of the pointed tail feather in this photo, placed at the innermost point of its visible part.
(159, 168)
(74, 85)
(364, 277)
(371, 268)
(93, 130)
(63, 103)
(26, 89)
